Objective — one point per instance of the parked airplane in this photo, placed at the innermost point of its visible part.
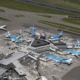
(77, 43)
(56, 37)
(13, 38)
(60, 60)
(39, 35)
(73, 52)
(3, 27)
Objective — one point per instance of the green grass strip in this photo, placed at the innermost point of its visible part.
(4, 19)
(72, 20)
(61, 26)
(71, 4)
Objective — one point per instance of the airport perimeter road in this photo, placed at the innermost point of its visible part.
(29, 18)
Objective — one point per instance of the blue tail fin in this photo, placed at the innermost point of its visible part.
(32, 31)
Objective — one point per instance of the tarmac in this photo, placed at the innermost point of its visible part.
(47, 69)
(73, 74)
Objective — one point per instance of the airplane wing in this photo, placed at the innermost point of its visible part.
(18, 37)
(3, 26)
(3, 29)
(12, 39)
(77, 56)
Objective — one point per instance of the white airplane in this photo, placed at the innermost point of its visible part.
(3, 27)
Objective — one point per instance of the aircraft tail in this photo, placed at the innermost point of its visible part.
(78, 41)
(8, 33)
(33, 31)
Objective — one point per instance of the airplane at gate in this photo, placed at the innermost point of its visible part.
(13, 38)
(77, 43)
(56, 37)
(60, 60)
(73, 52)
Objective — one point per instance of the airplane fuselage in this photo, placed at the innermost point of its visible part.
(73, 52)
(77, 44)
(61, 60)
(56, 37)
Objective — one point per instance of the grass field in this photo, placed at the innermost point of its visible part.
(4, 19)
(72, 4)
(72, 20)
(2, 10)
(73, 1)
(61, 26)
(28, 7)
